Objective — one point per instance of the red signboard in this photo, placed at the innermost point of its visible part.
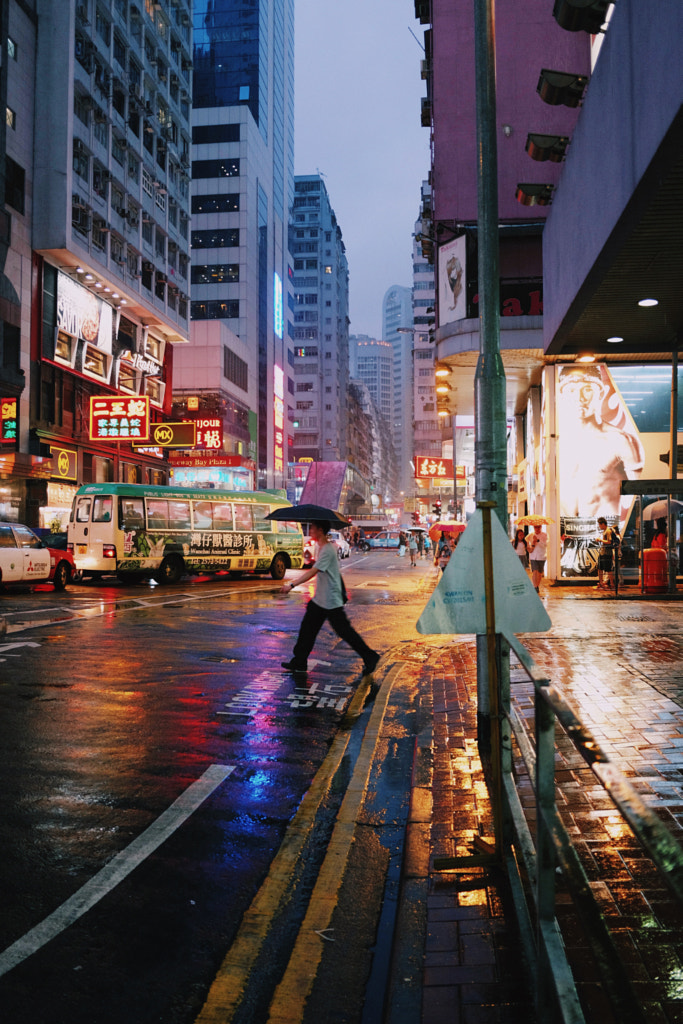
(429, 468)
(8, 414)
(119, 419)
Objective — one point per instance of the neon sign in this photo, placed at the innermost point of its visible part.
(119, 419)
(9, 419)
(279, 419)
(278, 314)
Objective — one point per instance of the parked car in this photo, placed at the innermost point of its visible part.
(343, 546)
(384, 539)
(25, 558)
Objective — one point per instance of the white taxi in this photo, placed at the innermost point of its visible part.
(25, 558)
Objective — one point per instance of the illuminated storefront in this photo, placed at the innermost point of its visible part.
(212, 470)
(598, 444)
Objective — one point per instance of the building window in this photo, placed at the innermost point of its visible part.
(207, 134)
(14, 185)
(216, 273)
(215, 310)
(147, 183)
(99, 235)
(218, 238)
(81, 160)
(11, 118)
(228, 168)
(11, 49)
(235, 369)
(216, 203)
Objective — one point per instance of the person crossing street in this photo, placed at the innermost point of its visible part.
(326, 605)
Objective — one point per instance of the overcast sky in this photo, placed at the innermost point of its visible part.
(358, 91)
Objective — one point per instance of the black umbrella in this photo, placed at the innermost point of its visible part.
(307, 514)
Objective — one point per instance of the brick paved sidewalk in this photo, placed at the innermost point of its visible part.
(623, 674)
(472, 967)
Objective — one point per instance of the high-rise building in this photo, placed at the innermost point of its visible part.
(397, 319)
(373, 362)
(97, 197)
(321, 325)
(242, 189)
(427, 429)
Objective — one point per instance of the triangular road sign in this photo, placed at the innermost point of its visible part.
(458, 605)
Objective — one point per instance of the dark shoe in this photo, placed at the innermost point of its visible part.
(294, 666)
(371, 664)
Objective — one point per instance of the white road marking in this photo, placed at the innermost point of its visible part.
(62, 614)
(118, 868)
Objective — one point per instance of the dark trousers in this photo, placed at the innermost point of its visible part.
(311, 625)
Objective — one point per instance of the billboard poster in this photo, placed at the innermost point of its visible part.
(83, 315)
(599, 446)
(452, 281)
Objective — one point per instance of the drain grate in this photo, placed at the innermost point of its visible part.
(635, 618)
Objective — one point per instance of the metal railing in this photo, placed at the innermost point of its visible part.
(531, 866)
(531, 861)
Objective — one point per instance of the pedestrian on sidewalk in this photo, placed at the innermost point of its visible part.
(659, 539)
(537, 546)
(326, 604)
(608, 542)
(412, 548)
(521, 549)
(402, 543)
(420, 543)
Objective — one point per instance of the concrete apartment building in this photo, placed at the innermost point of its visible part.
(97, 274)
(320, 284)
(427, 429)
(397, 317)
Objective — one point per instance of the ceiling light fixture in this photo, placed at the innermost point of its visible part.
(648, 302)
(615, 340)
(585, 359)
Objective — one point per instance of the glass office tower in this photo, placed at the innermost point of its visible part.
(242, 186)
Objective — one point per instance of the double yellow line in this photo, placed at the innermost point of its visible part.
(289, 1000)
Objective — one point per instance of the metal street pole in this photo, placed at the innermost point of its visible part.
(489, 382)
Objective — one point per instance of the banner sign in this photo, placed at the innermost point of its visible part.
(192, 460)
(119, 419)
(429, 468)
(82, 314)
(209, 433)
(174, 435)
(64, 463)
(8, 414)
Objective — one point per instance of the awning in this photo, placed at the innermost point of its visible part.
(26, 466)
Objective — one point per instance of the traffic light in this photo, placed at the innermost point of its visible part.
(436, 508)
(416, 518)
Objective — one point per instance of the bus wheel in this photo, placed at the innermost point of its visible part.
(62, 575)
(170, 570)
(278, 567)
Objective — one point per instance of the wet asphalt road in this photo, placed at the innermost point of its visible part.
(154, 753)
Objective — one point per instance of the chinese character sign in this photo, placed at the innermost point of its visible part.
(8, 413)
(429, 468)
(119, 419)
(210, 434)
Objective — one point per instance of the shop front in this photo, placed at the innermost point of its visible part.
(598, 446)
(212, 470)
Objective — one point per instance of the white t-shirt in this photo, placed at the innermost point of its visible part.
(538, 546)
(328, 591)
